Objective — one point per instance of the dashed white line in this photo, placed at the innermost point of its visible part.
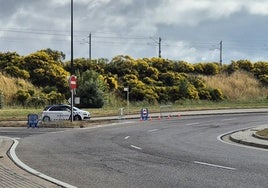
(152, 130)
(192, 124)
(136, 147)
(127, 137)
(230, 119)
(214, 165)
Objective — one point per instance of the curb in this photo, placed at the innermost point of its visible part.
(22, 165)
(259, 137)
(254, 144)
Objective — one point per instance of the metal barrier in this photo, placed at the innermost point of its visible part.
(121, 113)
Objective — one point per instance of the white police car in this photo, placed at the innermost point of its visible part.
(63, 112)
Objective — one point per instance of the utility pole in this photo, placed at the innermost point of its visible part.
(72, 39)
(221, 53)
(159, 47)
(72, 59)
(89, 46)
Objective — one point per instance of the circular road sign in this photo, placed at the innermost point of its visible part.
(72, 82)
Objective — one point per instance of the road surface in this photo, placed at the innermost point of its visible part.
(176, 152)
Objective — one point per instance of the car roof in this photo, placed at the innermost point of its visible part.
(49, 106)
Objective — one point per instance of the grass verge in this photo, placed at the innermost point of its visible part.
(20, 114)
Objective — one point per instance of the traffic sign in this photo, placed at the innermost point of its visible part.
(73, 82)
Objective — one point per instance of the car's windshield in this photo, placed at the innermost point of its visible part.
(76, 109)
(46, 108)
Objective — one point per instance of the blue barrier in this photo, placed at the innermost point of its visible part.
(144, 114)
(32, 120)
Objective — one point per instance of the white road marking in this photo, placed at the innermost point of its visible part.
(127, 137)
(32, 171)
(230, 119)
(152, 130)
(214, 165)
(136, 147)
(192, 124)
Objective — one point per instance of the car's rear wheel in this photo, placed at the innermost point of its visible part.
(46, 119)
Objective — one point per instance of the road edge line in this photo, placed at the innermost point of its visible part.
(22, 165)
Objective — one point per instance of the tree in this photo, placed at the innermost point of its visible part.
(245, 65)
(44, 71)
(16, 72)
(184, 67)
(91, 89)
(187, 90)
(122, 65)
(12, 64)
(57, 56)
(163, 65)
(260, 70)
(9, 59)
(168, 78)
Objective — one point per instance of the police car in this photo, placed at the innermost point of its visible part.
(63, 112)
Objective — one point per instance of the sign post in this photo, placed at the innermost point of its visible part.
(127, 90)
(73, 86)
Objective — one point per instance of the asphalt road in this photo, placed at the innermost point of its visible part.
(177, 152)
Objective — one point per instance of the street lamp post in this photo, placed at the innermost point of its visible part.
(72, 57)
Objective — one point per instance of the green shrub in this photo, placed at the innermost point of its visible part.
(22, 96)
(36, 102)
(216, 95)
(204, 94)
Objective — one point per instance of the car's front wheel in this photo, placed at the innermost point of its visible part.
(46, 119)
(77, 118)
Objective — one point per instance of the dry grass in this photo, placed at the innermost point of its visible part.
(238, 86)
(9, 86)
(263, 133)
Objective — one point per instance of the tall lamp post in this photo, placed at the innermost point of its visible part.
(72, 38)
(72, 58)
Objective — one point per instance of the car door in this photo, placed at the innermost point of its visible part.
(65, 113)
(57, 113)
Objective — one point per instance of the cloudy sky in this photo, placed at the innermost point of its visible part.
(190, 30)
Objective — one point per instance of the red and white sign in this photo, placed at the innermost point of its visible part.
(73, 82)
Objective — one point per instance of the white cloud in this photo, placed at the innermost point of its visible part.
(175, 20)
(258, 8)
(193, 12)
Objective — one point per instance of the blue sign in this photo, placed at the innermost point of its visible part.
(32, 120)
(144, 114)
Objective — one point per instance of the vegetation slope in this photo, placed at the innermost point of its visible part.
(41, 78)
